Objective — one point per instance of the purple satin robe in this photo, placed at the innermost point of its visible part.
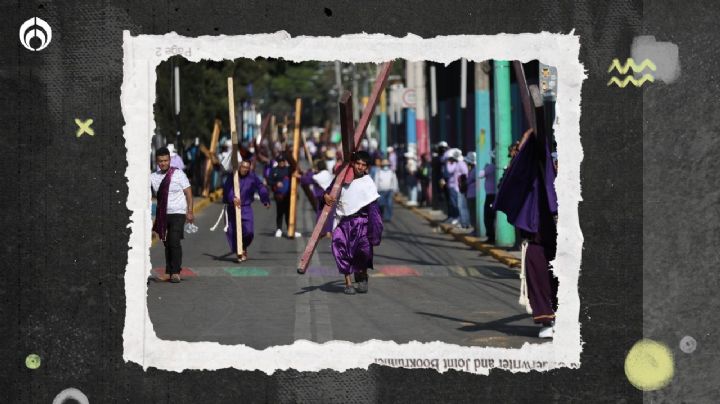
(353, 240)
(249, 185)
(530, 205)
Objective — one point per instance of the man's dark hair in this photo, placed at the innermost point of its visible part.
(163, 151)
(361, 155)
(321, 165)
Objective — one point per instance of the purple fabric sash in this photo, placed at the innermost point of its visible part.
(160, 225)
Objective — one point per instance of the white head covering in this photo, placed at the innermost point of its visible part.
(171, 148)
(471, 158)
(355, 196)
(323, 178)
(456, 154)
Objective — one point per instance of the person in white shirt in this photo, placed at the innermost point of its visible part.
(174, 208)
(387, 184)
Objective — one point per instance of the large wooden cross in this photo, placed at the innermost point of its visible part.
(295, 167)
(210, 157)
(351, 142)
(293, 177)
(263, 153)
(531, 111)
(235, 166)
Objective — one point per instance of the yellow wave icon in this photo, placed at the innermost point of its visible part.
(630, 64)
(631, 79)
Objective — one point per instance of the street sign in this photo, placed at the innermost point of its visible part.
(409, 98)
(548, 81)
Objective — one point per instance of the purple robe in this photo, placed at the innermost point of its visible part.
(319, 193)
(249, 185)
(354, 237)
(519, 195)
(527, 196)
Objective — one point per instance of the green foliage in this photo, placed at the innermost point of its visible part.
(276, 84)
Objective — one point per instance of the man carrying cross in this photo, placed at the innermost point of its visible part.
(358, 225)
(250, 184)
(527, 196)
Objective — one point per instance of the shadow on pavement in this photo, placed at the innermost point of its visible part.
(330, 287)
(500, 325)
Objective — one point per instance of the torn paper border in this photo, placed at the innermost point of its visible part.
(144, 52)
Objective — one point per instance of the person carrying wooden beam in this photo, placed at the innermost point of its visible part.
(250, 184)
(358, 225)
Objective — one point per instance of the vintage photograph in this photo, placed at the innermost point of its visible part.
(404, 201)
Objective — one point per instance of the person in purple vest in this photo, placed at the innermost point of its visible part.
(489, 214)
(527, 196)
(174, 208)
(250, 184)
(358, 225)
(320, 179)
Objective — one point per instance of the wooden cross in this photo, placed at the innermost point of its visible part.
(345, 170)
(235, 166)
(531, 115)
(211, 158)
(293, 177)
(264, 125)
(295, 167)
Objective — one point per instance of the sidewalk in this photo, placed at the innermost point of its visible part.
(435, 218)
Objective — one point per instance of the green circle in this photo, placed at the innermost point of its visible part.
(32, 361)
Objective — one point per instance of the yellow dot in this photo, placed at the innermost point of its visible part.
(32, 361)
(649, 365)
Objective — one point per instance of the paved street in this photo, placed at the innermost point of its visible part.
(425, 287)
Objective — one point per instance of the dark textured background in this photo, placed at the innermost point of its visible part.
(64, 220)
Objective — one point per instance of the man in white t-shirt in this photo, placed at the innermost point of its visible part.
(174, 208)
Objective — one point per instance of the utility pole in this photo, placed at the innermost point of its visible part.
(505, 232)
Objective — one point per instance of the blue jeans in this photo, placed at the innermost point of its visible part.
(453, 212)
(386, 204)
(464, 211)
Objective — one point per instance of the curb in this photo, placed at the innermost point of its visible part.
(474, 242)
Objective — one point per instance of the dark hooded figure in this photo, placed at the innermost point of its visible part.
(527, 196)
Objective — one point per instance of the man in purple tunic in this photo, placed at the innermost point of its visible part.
(249, 185)
(527, 196)
(358, 225)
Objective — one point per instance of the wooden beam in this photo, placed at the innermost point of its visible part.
(346, 124)
(293, 177)
(235, 165)
(212, 158)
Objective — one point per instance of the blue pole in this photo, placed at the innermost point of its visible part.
(483, 140)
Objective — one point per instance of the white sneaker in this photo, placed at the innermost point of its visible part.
(454, 222)
(546, 332)
(278, 233)
(297, 234)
